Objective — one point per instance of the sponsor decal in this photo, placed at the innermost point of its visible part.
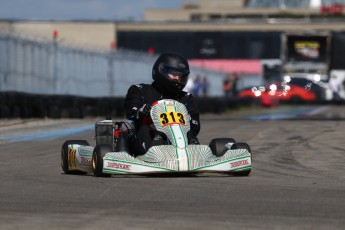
(170, 108)
(308, 49)
(118, 166)
(239, 163)
(71, 158)
(169, 104)
(86, 160)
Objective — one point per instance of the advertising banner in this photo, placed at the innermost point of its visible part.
(301, 48)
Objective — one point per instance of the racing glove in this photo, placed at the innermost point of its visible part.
(144, 111)
(129, 134)
(192, 139)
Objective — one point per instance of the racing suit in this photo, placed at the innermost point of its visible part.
(141, 94)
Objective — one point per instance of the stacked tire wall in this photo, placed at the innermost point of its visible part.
(25, 105)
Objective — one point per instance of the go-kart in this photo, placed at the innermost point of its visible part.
(112, 155)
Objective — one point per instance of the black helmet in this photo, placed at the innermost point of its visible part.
(171, 63)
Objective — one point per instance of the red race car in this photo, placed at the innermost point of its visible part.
(273, 93)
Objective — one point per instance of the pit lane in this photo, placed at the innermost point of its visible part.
(297, 182)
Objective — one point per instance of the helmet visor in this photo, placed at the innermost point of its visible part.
(177, 75)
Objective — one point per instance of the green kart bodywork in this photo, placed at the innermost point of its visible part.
(171, 118)
(192, 158)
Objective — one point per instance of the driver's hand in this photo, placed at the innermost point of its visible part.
(144, 110)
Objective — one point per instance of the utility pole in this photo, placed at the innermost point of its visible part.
(55, 61)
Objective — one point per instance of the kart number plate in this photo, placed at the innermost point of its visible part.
(170, 118)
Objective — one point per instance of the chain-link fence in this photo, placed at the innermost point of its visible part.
(46, 67)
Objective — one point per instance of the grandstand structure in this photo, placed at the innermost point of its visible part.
(223, 10)
(194, 16)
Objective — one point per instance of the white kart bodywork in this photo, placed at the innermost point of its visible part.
(171, 118)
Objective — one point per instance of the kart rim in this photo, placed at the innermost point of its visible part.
(94, 162)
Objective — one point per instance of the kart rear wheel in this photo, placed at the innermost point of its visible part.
(64, 155)
(217, 145)
(97, 159)
(241, 145)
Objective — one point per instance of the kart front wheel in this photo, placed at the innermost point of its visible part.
(218, 147)
(67, 160)
(97, 159)
(241, 145)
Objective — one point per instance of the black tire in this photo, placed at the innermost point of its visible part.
(5, 112)
(54, 112)
(217, 145)
(295, 99)
(97, 159)
(241, 145)
(246, 100)
(64, 155)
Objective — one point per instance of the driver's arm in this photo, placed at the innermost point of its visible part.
(193, 110)
(133, 102)
(195, 123)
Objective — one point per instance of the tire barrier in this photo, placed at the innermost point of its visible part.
(216, 105)
(25, 105)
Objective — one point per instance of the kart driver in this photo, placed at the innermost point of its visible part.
(170, 75)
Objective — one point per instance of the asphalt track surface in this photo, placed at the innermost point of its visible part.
(297, 181)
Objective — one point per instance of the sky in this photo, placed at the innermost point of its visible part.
(81, 9)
